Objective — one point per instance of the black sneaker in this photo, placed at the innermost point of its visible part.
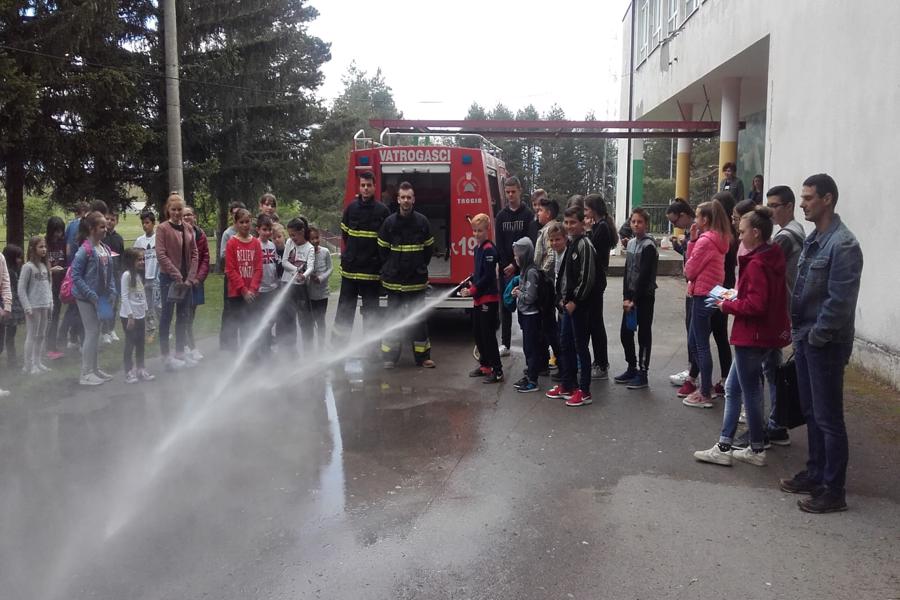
(494, 377)
(779, 436)
(743, 441)
(521, 382)
(627, 376)
(800, 484)
(826, 502)
(638, 382)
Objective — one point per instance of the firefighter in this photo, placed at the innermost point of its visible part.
(360, 262)
(405, 244)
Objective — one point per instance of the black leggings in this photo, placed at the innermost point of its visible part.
(644, 307)
(134, 343)
(599, 341)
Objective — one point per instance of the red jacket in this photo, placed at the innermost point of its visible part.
(705, 266)
(760, 311)
(243, 266)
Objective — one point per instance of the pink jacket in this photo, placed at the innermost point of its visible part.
(705, 266)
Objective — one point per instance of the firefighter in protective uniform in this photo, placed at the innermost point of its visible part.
(405, 244)
(360, 261)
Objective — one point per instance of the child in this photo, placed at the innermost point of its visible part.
(16, 316)
(36, 296)
(298, 264)
(56, 255)
(318, 286)
(147, 243)
(528, 307)
(705, 269)
(269, 283)
(243, 271)
(574, 286)
(133, 312)
(603, 237)
(639, 296)
(486, 297)
(6, 296)
(116, 244)
(545, 258)
(227, 328)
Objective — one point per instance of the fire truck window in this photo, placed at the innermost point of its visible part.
(494, 184)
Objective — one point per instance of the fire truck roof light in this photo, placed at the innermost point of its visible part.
(467, 159)
(363, 160)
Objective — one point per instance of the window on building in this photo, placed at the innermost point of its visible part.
(672, 17)
(656, 22)
(689, 7)
(643, 30)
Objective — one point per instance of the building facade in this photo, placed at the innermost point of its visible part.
(817, 83)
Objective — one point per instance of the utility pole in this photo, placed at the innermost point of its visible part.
(173, 102)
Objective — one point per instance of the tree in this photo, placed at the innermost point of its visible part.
(560, 172)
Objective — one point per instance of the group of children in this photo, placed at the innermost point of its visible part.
(558, 280)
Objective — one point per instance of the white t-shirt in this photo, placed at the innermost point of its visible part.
(134, 302)
(297, 258)
(148, 244)
(269, 267)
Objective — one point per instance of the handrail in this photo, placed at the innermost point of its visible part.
(484, 143)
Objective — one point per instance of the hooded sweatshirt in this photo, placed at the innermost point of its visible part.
(705, 265)
(760, 309)
(529, 278)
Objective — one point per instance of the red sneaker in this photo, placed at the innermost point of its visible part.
(55, 355)
(687, 388)
(559, 393)
(579, 398)
(718, 390)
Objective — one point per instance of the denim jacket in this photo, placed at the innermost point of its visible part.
(823, 305)
(86, 282)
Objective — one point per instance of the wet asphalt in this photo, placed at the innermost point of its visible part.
(358, 482)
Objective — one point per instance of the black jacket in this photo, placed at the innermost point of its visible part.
(405, 245)
(359, 228)
(509, 226)
(577, 272)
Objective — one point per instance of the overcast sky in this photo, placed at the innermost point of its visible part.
(439, 57)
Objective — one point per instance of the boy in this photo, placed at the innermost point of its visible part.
(574, 284)
(545, 258)
(147, 243)
(269, 283)
(528, 307)
(484, 292)
(639, 294)
(117, 245)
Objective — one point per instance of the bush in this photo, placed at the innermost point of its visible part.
(37, 210)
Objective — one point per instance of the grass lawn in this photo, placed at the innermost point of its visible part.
(67, 369)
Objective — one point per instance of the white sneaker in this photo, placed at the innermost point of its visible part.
(113, 336)
(504, 351)
(73, 346)
(757, 459)
(43, 368)
(90, 379)
(714, 456)
(145, 375)
(678, 379)
(170, 363)
(195, 354)
(4, 393)
(105, 339)
(188, 360)
(103, 375)
(131, 377)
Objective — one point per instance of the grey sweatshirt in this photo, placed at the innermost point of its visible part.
(529, 278)
(34, 287)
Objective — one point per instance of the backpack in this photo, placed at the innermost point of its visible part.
(67, 288)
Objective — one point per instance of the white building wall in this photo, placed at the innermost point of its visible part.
(832, 95)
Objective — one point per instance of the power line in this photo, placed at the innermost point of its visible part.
(155, 74)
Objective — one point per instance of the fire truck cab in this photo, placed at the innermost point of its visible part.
(454, 176)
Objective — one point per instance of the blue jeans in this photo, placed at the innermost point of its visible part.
(699, 342)
(820, 377)
(744, 386)
(180, 309)
(574, 331)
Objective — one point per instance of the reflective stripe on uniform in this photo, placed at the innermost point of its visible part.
(359, 232)
(385, 347)
(429, 241)
(421, 347)
(383, 243)
(361, 276)
(399, 287)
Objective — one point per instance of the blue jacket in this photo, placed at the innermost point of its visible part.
(823, 305)
(86, 282)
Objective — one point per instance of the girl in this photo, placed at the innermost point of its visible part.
(198, 296)
(5, 303)
(133, 311)
(56, 255)
(36, 296)
(178, 258)
(705, 269)
(267, 206)
(268, 285)
(243, 271)
(298, 264)
(15, 315)
(638, 295)
(318, 286)
(94, 288)
(603, 237)
(761, 328)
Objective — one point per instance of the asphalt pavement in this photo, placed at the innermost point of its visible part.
(245, 479)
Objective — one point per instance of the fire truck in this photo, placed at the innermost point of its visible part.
(454, 176)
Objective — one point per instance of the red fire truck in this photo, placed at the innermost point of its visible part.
(455, 177)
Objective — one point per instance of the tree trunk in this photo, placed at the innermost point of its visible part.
(15, 198)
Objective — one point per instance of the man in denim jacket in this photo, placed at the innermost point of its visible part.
(823, 308)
